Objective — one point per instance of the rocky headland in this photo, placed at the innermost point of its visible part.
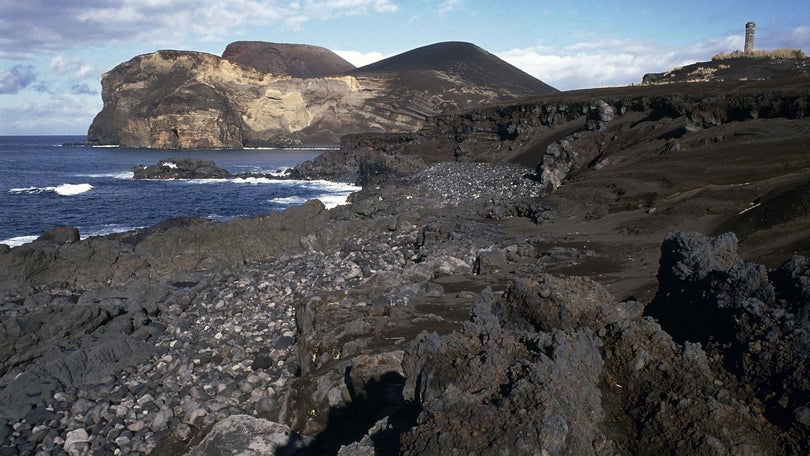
(612, 271)
(268, 94)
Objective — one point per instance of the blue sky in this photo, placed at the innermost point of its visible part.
(53, 52)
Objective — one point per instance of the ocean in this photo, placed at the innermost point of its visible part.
(47, 181)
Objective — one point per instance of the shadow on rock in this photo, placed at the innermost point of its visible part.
(370, 424)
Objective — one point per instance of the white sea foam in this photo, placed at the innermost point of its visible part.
(115, 175)
(72, 189)
(289, 200)
(253, 180)
(18, 241)
(113, 228)
(332, 193)
(63, 190)
(18, 191)
(200, 181)
(280, 172)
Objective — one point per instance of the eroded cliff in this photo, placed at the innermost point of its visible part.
(188, 100)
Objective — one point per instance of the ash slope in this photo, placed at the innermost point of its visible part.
(188, 100)
(471, 66)
(296, 60)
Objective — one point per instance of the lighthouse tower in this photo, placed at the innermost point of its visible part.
(749, 37)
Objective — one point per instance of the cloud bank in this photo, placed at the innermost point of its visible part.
(610, 62)
(56, 26)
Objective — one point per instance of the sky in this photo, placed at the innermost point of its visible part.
(53, 52)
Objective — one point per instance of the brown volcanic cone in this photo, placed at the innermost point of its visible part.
(461, 61)
(296, 60)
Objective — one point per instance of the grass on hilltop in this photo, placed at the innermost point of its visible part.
(783, 53)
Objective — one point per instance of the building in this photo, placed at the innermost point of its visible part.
(749, 37)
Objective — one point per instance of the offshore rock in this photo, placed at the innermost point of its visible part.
(181, 168)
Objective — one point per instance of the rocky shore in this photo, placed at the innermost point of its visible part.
(454, 307)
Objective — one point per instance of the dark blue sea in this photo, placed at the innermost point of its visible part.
(44, 182)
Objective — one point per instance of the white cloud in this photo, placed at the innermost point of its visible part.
(16, 78)
(448, 6)
(56, 114)
(69, 25)
(359, 59)
(610, 62)
(797, 38)
(77, 69)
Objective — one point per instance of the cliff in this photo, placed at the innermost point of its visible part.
(186, 100)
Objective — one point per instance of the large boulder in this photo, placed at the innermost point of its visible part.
(752, 321)
(247, 436)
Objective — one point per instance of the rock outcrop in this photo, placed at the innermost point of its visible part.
(181, 168)
(192, 100)
(740, 68)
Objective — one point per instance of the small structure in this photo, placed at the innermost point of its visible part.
(749, 37)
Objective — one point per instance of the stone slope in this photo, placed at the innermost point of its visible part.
(475, 70)
(186, 100)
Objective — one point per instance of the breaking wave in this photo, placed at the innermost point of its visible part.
(62, 190)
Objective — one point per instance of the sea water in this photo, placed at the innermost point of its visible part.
(47, 181)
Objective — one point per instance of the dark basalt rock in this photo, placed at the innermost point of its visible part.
(753, 321)
(60, 235)
(181, 168)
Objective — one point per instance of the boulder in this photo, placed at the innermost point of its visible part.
(60, 235)
(247, 436)
(751, 321)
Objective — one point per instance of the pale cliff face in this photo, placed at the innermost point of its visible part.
(194, 100)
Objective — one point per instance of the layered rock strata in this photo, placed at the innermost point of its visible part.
(192, 100)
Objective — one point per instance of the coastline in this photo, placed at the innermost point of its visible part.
(451, 305)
